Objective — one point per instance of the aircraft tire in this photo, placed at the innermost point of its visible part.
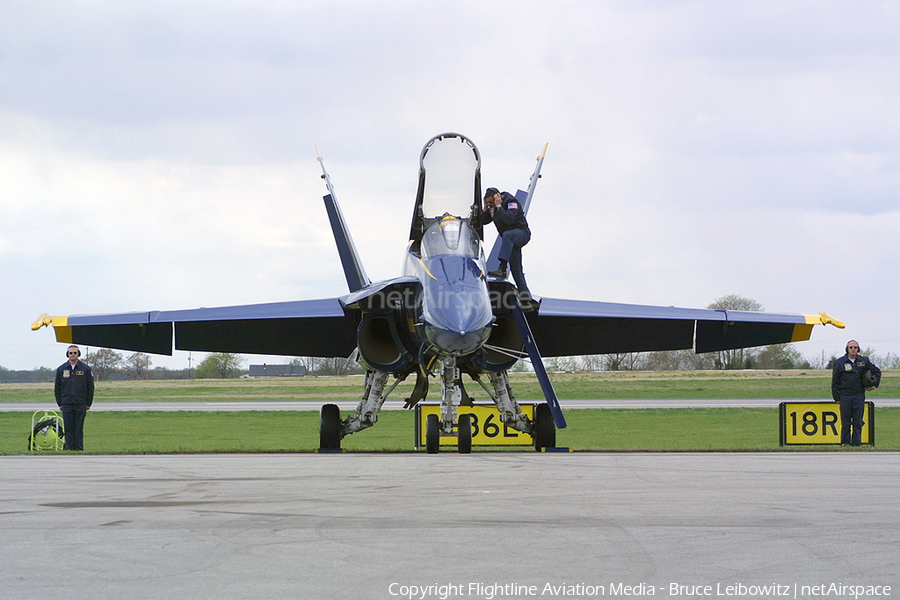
(432, 434)
(544, 428)
(330, 427)
(464, 429)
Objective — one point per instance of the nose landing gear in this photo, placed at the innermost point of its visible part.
(434, 430)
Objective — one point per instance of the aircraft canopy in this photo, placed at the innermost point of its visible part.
(450, 164)
(451, 235)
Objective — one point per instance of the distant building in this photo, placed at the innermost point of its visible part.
(277, 370)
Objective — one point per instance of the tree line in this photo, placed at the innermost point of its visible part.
(775, 357)
(109, 365)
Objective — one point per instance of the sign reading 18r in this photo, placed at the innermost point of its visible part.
(819, 423)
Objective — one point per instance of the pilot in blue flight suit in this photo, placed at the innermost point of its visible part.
(506, 213)
(847, 388)
(74, 390)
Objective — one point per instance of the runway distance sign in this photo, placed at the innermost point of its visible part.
(819, 423)
(487, 428)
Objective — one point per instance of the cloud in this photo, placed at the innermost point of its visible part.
(697, 149)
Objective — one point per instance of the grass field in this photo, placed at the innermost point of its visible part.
(722, 429)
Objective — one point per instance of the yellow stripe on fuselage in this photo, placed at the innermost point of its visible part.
(426, 269)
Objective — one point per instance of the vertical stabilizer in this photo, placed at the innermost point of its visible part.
(353, 269)
(493, 262)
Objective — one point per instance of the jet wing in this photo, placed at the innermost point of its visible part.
(578, 327)
(302, 328)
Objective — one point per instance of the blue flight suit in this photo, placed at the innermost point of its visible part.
(847, 388)
(74, 391)
(509, 219)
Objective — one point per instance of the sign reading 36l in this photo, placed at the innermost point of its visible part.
(819, 423)
(487, 428)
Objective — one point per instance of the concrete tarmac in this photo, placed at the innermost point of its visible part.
(382, 526)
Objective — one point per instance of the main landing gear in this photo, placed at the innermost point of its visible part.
(449, 423)
(542, 428)
(332, 429)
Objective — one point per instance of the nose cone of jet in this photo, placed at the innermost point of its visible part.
(459, 328)
(459, 342)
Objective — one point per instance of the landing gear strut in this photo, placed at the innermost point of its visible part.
(332, 429)
(452, 395)
(450, 423)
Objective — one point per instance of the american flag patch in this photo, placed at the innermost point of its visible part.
(513, 206)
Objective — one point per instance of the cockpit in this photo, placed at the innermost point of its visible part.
(445, 252)
(449, 184)
(456, 306)
(451, 235)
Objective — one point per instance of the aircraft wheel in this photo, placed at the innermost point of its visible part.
(432, 434)
(464, 429)
(330, 427)
(544, 428)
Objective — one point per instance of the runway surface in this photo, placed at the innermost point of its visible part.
(398, 404)
(387, 526)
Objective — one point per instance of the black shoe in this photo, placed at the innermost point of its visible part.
(498, 273)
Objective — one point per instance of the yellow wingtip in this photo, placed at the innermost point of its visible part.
(829, 320)
(45, 320)
(544, 151)
(41, 321)
(823, 318)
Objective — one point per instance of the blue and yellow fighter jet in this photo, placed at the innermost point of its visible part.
(444, 317)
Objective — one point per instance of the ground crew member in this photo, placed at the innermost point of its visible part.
(847, 388)
(508, 214)
(74, 391)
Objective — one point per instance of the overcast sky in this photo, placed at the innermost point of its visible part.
(159, 155)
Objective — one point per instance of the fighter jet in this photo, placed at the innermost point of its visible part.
(443, 318)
